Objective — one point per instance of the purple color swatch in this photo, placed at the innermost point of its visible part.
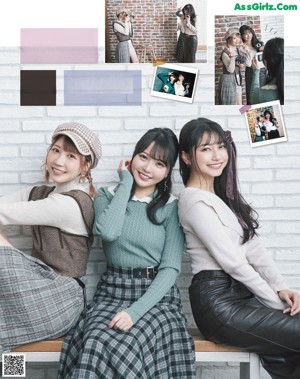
(59, 45)
(102, 87)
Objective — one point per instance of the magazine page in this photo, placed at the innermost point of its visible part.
(94, 98)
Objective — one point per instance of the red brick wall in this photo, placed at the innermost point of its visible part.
(155, 23)
(222, 23)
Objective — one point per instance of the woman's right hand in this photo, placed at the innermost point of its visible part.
(124, 165)
(292, 299)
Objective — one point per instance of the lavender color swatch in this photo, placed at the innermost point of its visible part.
(102, 87)
(59, 45)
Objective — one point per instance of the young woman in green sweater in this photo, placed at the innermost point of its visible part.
(135, 327)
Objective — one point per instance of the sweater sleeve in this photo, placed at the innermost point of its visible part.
(126, 30)
(228, 62)
(163, 77)
(192, 28)
(56, 210)
(22, 195)
(255, 88)
(263, 263)
(110, 211)
(169, 268)
(210, 230)
(262, 94)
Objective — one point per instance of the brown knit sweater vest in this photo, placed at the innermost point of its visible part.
(66, 253)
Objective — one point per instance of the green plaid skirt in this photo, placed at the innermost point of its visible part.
(157, 346)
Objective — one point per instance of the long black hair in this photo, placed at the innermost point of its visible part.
(191, 136)
(165, 149)
(271, 119)
(273, 54)
(254, 40)
(189, 10)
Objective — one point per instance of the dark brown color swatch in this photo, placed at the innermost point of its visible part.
(38, 87)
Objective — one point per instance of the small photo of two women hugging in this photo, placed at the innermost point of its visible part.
(265, 124)
(249, 59)
(174, 82)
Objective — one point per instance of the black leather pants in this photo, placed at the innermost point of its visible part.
(226, 312)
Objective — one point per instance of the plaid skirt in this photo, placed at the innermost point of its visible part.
(122, 53)
(157, 346)
(227, 89)
(36, 303)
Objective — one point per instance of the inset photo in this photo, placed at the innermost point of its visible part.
(265, 124)
(175, 82)
(249, 59)
(156, 31)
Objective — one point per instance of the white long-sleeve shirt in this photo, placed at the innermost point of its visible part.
(186, 27)
(56, 210)
(214, 242)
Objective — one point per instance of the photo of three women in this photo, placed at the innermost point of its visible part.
(266, 124)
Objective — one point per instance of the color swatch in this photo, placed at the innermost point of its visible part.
(102, 87)
(38, 87)
(59, 45)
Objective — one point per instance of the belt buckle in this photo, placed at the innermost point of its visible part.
(150, 272)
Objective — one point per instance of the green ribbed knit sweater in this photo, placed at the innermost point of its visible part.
(130, 239)
(263, 94)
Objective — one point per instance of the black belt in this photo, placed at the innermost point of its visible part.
(147, 272)
(82, 285)
(138, 273)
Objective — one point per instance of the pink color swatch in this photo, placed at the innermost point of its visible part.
(59, 45)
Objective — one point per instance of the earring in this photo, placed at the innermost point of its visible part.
(165, 185)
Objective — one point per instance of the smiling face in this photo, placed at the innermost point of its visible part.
(122, 16)
(147, 171)
(247, 36)
(234, 40)
(64, 165)
(209, 160)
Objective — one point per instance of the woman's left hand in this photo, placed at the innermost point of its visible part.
(121, 321)
(292, 299)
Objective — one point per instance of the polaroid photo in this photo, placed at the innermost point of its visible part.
(265, 124)
(175, 82)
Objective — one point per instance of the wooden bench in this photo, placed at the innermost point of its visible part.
(206, 351)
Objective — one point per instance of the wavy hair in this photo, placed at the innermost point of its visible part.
(191, 136)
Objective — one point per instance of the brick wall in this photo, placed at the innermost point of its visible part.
(265, 27)
(269, 175)
(155, 23)
(222, 24)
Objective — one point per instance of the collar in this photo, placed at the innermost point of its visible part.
(145, 199)
(72, 185)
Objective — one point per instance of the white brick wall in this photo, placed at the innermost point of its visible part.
(271, 26)
(269, 175)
